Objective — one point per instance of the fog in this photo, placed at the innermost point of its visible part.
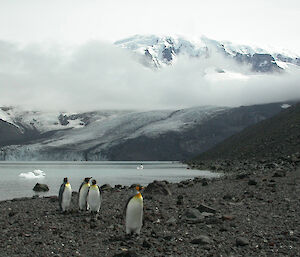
(98, 75)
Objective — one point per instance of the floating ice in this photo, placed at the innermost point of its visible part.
(36, 174)
(285, 106)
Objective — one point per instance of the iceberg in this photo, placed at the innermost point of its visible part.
(36, 174)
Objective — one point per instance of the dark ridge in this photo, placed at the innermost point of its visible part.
(271, 138)
(9, 133)
(192, 141)
(13, 135)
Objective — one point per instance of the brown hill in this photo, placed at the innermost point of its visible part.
(270, 138)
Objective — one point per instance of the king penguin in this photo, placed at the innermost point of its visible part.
(94, 197)
(83, 192)
(65, 195)
(134, 213)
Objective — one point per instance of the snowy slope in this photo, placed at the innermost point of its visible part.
(159, 52)
(103, 132)
(45, 121)
(114, 135)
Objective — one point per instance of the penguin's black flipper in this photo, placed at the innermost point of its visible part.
(100, 190)
(80, 187)
(60, 195)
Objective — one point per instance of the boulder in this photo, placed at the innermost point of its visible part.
(279, 174)
(193, 215)
(242, 241)
(106, 187)
(201, 240)
(158, 187)
(205, 208)
(40, 187)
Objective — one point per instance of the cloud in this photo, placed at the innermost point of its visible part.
(98, 75)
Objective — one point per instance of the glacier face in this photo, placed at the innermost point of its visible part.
(101, 131)
(159, 52)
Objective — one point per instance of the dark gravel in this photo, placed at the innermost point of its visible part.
(221, 217)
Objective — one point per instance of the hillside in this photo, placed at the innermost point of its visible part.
(271, 138)
(119, 135)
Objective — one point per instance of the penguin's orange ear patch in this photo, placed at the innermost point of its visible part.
(138, 196)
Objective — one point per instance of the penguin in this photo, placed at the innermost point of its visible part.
(94, 197)
(134, 213)
(83, 191)
(65, 195)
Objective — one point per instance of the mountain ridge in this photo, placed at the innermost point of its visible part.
(161, 51)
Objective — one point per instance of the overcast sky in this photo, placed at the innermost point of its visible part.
(66, 60)
(268, 22)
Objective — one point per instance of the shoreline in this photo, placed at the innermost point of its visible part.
(245, 213)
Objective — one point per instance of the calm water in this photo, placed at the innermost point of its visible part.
(125, 173)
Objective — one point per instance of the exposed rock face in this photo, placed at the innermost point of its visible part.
(168, 53)
(259, 62)
(264, 63)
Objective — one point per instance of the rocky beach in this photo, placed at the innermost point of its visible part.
(253, 210)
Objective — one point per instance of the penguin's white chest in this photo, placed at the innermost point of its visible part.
(94, 199)
(83, 196)
(66, 197)
(134, 215)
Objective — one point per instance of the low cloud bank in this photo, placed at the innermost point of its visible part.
(99, 75)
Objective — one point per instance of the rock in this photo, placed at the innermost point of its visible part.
(106, 187)
(204, 182)
(205, 208)
(40, 188)
(242, 176)
(242, 241)
(180, 197)
(12, 213)
(171, 221)
(146, 244)
(179, 200)
(279, 174)
(202, 240)
(228, 217)
(126, 253)
(227, 197)
(252, 182)
(158, 187)
(193, 215)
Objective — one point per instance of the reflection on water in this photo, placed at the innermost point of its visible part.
(113, 173)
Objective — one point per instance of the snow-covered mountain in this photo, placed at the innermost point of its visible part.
(158, 52)
(121, 135)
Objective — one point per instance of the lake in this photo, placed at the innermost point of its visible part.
(12, 185)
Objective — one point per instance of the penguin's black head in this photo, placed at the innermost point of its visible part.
(87, 179)
(94, 182)
(65, 180)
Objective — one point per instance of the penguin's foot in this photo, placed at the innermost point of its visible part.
(132, 235)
